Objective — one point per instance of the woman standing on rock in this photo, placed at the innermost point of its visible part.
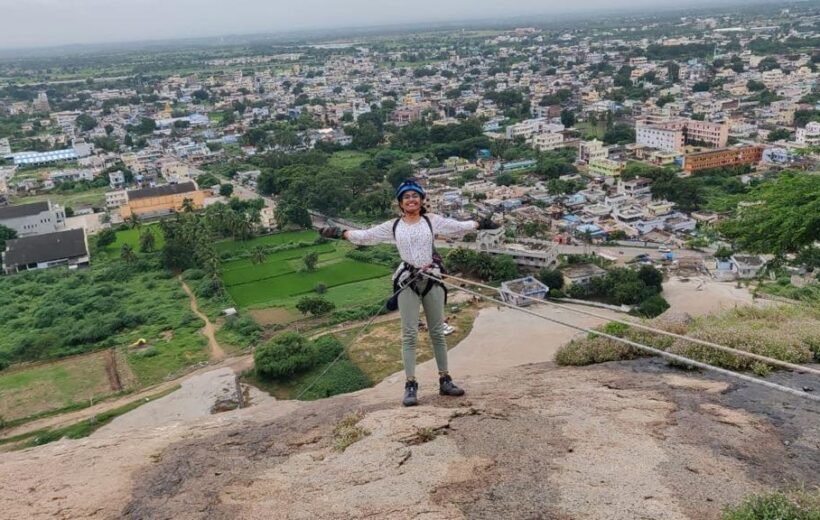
(414, 233)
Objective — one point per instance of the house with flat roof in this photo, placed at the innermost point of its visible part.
(161, 200)
(33, 219)
(63, 248)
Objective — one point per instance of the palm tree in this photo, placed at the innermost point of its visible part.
(127, 253)
(258, 255)
(133, 221)
(187, 205)
(147, 241)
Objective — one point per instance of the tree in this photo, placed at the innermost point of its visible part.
(284, 356)
(86, 122)
(258, 255)
(552, 278)
(133, 221)
(619, 134)
(768, 63)
(778, 134)
(723, 253)
(105, 238)
(568, 118)
(7, 233)
(226, 190)
(127, 253)
(310, 260)
(755, 86)
(147, 241)
(651, 277)
(187, 205)
(785, 219)
(315, 305)
(651, 307)
(504, 179)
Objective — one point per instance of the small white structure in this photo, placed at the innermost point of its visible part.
(518, 292)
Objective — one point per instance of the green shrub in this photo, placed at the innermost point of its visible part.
(557, 293)
(284, 356)
(244, 326)
(653, 306)
(320, 288)
(315, 305)
(777, 506)
(327, 348)
(594, 350)
(343, 377)
(194, 274)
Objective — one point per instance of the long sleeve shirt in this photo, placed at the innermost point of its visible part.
(414, 241)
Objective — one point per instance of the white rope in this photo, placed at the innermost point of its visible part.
(751, 355)
(645, 348)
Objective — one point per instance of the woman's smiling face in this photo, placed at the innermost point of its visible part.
(410, 202)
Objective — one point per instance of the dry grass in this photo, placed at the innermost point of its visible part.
(787, 333)
(43, 387)
(378, 351)
(348, 431)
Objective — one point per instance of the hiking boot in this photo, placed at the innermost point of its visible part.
(411, 388)
(447, 387)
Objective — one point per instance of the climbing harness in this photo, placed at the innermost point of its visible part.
(404, 273)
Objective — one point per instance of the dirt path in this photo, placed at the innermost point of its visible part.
(347, 326)
(217, 354)
(237, 364)
(111, 371)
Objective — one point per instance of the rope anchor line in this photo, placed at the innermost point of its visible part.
(668, 355)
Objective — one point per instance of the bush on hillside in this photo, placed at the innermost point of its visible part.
(284, 356)
(594, 350)
(651, 307)
(245, 326)
(343, 377)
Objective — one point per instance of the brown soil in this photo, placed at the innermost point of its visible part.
(111, 370)
(273, 316)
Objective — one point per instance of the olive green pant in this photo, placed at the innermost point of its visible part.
(433, 303)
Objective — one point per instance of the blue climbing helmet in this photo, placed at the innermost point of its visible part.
(410, 185)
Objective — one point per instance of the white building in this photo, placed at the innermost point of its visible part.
(666, 139)
(549, 141)
(810, 135)
(116, 199)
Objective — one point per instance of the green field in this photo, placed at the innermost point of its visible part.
(94, 197)
(347, 159)
(244, 271)
(271, 290)
(294, 237)
(30, 390)
(132, 237)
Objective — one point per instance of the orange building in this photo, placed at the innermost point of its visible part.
(162, 200)
(719, 158)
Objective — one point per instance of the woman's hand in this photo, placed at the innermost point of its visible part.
(333, 232)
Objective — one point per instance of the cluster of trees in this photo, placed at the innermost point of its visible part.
(6, 233)
(481, 265)
(290, 353)
(315, 305)
(306, 180)
(786, 219)
(622, 286)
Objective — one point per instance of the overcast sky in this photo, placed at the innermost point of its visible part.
(36, 23)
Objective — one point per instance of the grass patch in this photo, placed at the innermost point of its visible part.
(270, 290)
(28, 391)
(378, 352)
(347, 432)
(132, 238)
(243, 271)
(787, 333)
(799, 505)
(81, 429)
(94, 197)
(276, 239)
(347, 159)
